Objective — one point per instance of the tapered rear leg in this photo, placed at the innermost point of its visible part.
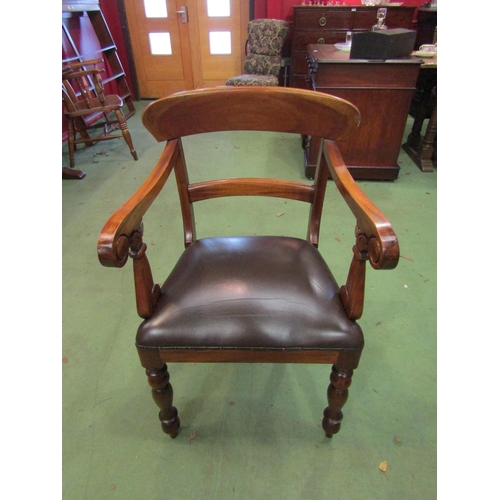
(337, 396)
(163, 395)
(126, 133)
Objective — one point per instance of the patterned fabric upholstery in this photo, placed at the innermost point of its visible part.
(267, 36)
(263, 80)
(257, 64)
(262, 64)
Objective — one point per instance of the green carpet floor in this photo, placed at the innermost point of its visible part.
(258, 427)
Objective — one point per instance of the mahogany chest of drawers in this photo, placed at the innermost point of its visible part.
(314, 24)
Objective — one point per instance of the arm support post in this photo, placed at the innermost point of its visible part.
(121, 236)
(376, 240)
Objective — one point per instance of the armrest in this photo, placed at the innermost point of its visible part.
(79, 73)
(72, 70)
(85, 63)
(376, 240)
(380, 239)
(118, 232)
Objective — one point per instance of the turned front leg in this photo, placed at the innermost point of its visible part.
(163, 395)
(337, 396)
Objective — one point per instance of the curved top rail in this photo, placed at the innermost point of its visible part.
(275, 109)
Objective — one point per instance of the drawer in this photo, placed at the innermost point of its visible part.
(399, 18)
(365, 19)
(302, 39)
(319, 18)
(367, 75)
(396, 18)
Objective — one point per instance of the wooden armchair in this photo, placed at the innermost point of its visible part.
(264, 299)
(86, 107)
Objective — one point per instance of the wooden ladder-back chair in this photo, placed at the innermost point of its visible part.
(86, 107)
(262, 299)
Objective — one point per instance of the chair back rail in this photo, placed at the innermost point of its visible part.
(276, 110)
(83, 86)
(282, 109)
(250, 187)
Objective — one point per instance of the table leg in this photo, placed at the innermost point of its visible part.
(427, 147)
(421, 150)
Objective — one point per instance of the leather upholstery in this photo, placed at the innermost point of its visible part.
(250, 292)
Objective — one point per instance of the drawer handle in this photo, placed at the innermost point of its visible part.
(322, 21)
(321, 41)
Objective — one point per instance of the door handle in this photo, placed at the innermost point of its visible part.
(184, 14)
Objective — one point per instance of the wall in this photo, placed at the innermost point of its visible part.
(114, 12)
(260, 9)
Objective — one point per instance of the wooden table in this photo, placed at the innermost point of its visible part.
(382, 91)
(422, 149)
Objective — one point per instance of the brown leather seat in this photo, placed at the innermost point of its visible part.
(253, 293)
(250, 298)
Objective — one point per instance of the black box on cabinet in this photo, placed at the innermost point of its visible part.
(383, 44)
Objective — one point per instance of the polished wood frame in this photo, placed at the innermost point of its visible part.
(274, 109)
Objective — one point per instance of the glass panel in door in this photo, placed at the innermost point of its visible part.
(160, 44)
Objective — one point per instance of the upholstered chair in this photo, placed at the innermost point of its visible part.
(263, 59)
(249, 297)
